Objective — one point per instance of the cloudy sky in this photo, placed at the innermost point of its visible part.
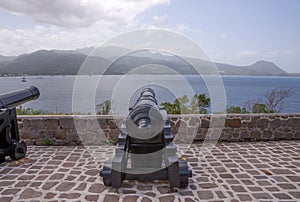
(231, 31)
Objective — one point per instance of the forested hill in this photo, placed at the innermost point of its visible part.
(59, 62)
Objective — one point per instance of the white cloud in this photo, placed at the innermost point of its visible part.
(70, 25)
(80, 13)
(160, 20)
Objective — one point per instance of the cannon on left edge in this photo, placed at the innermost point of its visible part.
(10, 144)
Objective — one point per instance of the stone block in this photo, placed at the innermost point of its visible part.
(275, 124)
(35, 134)
(52, 124)
(263, 123)
(38, 124)
(267, 135)
(66, 123)
(72, 136)
(194, 121)
(297, 135)
(60, 135)
(26, 123)
(254, 135)
(24, 134)
(293, 122)
(278, 135)
(205, 123)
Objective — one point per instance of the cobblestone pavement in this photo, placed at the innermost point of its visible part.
(258, 171)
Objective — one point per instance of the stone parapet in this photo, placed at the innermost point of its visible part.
(61, 130)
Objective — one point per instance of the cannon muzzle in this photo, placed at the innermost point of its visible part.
(14, 99)
(145, 120)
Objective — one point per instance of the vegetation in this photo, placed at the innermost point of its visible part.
(48, 142)
(103, 108)
(273, 101)
(29, 111)
(236, 110)
(182, 105)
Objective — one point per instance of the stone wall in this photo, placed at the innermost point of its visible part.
(60, 130)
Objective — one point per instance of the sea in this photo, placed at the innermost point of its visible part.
(59, 94)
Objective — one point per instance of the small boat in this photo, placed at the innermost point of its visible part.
(24, 79)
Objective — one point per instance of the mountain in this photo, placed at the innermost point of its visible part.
(68, 62)
(260, 68)
(6, 58)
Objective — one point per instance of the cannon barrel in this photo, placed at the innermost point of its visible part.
(14, 99)
(145, 148)
(145, 120)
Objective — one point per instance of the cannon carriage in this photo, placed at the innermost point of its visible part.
(145, 148)
(10, 144)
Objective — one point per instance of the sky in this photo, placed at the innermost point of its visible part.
(232, 31)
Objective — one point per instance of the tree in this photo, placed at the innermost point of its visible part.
(183, 105)
(103, 108)
(259, 108)
(203, 103)
(236, 110)
(273, 101)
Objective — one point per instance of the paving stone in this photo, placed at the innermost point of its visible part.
(282, 196)
(295, 194)
(263, 183)
(81, 186)
(145, 199)
(244, 197)
(294, 178)
(57, 176)
(49, 185)
(92, 172)
(65, 186)
(69, 196)
(10, 191)
(205, 195)
(144, 187)
(226, 176)
(255, 189)
(208, 185)
(26, 177)
(50, 195)
(272, 189)
(238, 188)
(261, 196)
(29, 193)
(6, 199)
(281, 171)
(111, 198)
(128, 191)
(97, 188)
(167, 198)
(220, 195)
(130, 198)
(22, 184)
(152, 194)
(6, 183)
(249, 171)
(91, 197)
(163, 189)
(286, 186)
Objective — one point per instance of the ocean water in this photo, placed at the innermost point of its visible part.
(57, 92)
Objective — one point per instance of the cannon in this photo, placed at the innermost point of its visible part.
(145, 149)
(10, 144)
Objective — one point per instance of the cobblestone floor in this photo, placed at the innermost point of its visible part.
(258, 171)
